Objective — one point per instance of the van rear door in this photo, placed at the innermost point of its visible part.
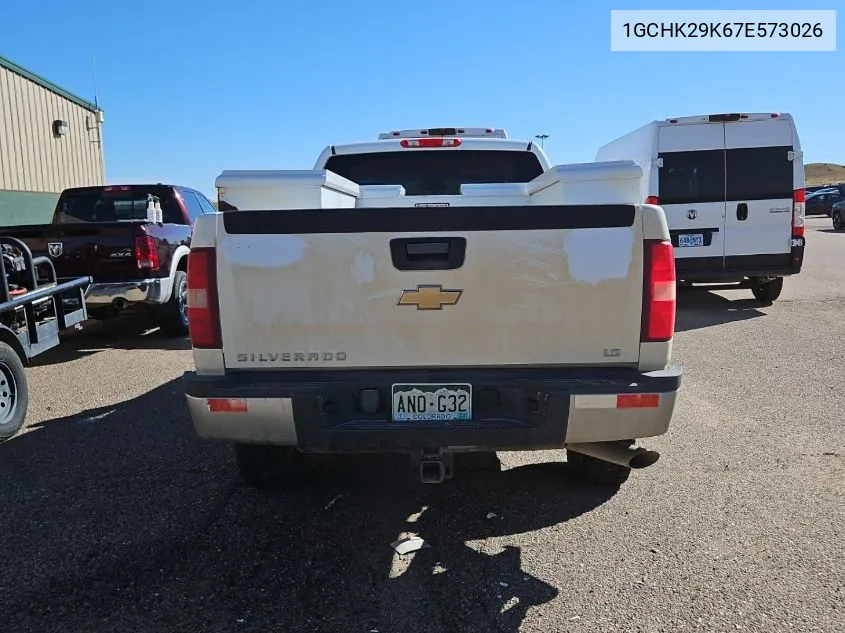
(759, 161)
(691, 188)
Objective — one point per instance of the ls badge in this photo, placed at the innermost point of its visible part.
(55, 249)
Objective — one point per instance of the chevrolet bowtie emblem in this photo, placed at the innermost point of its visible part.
(429, 297)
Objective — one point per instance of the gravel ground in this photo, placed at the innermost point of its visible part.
(116, 518)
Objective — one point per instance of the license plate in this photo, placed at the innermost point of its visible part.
(691, 239)
(431, 402)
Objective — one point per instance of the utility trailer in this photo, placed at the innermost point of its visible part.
(34, 307)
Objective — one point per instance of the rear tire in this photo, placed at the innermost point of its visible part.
(838, 225)
(269, 467)
(767, 292)
(14, 392)
(173, 315)
(596, 471)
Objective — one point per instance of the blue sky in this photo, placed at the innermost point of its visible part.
(190, 88)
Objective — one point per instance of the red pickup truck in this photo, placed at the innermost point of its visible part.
(135, 262)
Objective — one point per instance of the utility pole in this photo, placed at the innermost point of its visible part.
(542, 138)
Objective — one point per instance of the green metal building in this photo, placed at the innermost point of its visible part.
(50, 140)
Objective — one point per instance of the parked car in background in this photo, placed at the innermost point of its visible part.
(837, 214)
(132, 240)
(822, 201)
(819, 188)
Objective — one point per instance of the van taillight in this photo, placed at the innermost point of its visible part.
(658, 320)
(203, 307)
(146, 253)
(798, 199)
(652, 200)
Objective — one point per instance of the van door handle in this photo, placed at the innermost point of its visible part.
(742, 211)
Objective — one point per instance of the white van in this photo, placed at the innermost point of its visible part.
(732, 188)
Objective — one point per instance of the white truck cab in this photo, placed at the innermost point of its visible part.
(732, 188)
(487, 156)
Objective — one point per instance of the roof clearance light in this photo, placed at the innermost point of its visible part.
(430, 142)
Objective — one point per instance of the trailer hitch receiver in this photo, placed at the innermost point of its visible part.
(433, 466)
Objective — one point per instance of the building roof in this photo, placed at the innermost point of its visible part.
(48, 85)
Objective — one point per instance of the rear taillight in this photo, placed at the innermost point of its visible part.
(146, 253)
(227, 405)
(637, 400)
(430, 142)
(798, 199)
(652, 200)
(658, 321)
(203, 307)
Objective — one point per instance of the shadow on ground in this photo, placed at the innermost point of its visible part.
(699, 308)
(120, 519)
(129, 332)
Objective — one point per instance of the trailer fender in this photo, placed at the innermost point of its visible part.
(8, 337)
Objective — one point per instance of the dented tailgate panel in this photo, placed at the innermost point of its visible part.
(548, 295)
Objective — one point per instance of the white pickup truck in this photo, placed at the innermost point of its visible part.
(433, 292)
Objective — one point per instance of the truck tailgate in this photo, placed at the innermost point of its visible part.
(405, 287)
(105, 251)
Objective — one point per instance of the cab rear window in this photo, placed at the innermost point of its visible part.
(438, 172)
(114, 204)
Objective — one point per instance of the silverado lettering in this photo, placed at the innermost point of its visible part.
(272, 357)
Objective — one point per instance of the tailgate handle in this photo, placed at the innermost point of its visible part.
(742, 211)
(428, 253)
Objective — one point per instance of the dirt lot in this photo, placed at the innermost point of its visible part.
(116, 518)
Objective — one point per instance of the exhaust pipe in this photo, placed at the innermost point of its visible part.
(621, 453)
(120, 303)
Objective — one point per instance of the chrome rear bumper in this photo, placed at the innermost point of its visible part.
(135, 291)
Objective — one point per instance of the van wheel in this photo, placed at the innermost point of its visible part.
(837, 220)
(269, 467)
(173, 315)
(596, 471)
(14, 393)
(767, 291)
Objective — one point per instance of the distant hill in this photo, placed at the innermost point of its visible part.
(823, 173)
